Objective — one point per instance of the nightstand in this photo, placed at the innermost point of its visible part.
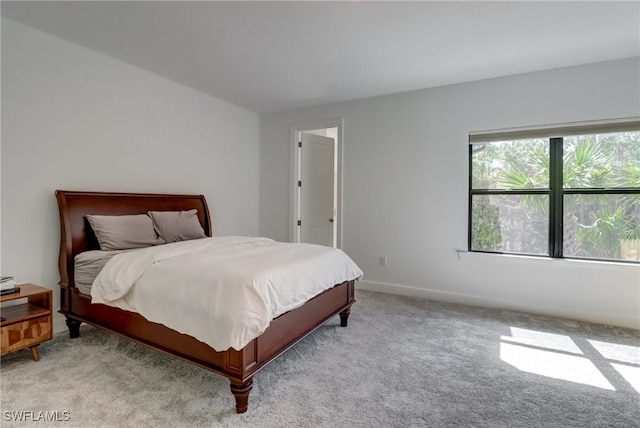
(26, 325)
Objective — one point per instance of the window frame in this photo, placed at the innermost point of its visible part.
(556, 192)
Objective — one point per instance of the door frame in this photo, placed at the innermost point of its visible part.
(294, 175)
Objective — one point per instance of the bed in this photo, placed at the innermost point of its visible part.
(239, 366)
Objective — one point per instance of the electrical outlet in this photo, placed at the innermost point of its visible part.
(383, 261)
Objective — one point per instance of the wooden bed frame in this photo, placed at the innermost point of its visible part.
(240, 366)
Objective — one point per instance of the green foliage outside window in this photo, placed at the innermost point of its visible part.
(600, 183)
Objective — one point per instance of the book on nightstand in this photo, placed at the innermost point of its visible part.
(8, 285)
(7, 282)
(9, 290)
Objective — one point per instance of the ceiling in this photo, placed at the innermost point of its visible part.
(268, 56)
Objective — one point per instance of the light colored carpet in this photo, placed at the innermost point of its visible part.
(402, 362)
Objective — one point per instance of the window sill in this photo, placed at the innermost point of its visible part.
(548, 259)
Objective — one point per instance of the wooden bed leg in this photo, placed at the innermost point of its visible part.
(344, 316)
(74, 328)
(241, 394)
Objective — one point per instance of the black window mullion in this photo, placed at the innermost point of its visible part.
(555, 198)
(470, 207)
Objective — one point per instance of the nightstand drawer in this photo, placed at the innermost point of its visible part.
(25, 334)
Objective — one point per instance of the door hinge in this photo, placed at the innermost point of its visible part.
(299, 183)
(300, 144)
(299, 222)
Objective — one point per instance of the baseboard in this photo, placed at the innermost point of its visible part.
(495, 303)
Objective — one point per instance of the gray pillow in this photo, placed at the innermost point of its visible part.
(174, 226)
(120, 232)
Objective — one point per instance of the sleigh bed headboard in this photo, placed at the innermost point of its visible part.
(77, 236)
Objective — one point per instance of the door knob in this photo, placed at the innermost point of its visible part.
(331, 220)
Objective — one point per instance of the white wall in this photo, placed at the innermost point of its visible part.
(77, 120)
(405, 189)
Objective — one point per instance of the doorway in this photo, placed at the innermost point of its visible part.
(316, 186)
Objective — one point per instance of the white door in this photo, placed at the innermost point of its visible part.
(317, 187)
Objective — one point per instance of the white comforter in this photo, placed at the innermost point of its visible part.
(224, 291)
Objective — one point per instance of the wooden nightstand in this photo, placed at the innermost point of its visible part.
(28, 324)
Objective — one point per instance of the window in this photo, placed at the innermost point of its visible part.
(570, 191)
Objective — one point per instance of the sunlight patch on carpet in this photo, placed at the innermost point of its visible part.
(630, 374)
(627, 359)
(553, 364)
(540, 339)
(613, 351)
(559, 357)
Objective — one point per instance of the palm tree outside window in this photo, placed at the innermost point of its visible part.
(571, 191)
